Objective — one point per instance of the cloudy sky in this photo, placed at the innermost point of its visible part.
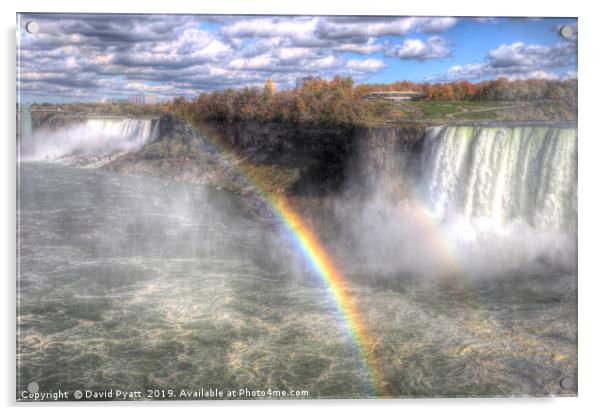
(77, 57)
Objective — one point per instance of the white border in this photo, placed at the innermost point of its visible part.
(590, 208)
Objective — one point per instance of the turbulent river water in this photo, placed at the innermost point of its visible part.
(136, 283)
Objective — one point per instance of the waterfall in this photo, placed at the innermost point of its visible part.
(91, 141)
(503, 199)
(503, 173)
(24, 124)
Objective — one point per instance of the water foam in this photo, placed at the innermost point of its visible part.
(504, 197)
(503, 173)
(92, 140)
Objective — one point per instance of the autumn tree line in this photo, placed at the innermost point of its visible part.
(500, 89)
(339, 102)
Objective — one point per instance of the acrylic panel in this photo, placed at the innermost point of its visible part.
(295, 207)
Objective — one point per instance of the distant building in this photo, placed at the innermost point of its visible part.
(142, 99)
(300, 81)
(270, 86)
(150, 99)
(109, 100)
(137, 99)
(396, 95)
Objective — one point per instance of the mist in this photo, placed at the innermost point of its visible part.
(489, 202)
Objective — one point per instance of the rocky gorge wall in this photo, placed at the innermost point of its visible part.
(329, 154)
(321, 154)
(313, 159)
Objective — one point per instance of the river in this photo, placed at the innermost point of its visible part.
(135, 283)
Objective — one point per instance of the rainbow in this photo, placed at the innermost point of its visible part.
(313, 250)
(337, 289)
(429, 227)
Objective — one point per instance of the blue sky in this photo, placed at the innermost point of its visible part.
(470, 43)
(83, 57)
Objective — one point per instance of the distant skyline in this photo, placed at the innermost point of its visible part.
(86, 57)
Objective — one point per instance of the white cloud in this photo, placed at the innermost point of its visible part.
(366, 27)
(115, 55)
(365, 65)
(174, 54)
(362, 48)
(436, 24)
(517, 61)
(327, 62)
(256, 62)
(519, 54)
(293, 54)
(434, 47)
(540, 74)
(270, 27)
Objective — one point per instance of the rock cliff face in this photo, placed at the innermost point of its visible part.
(284, 137)
(318, 160)
(330, 154)
(379, 146)
(384, 150)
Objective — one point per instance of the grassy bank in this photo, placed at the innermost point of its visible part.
(450, 111)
